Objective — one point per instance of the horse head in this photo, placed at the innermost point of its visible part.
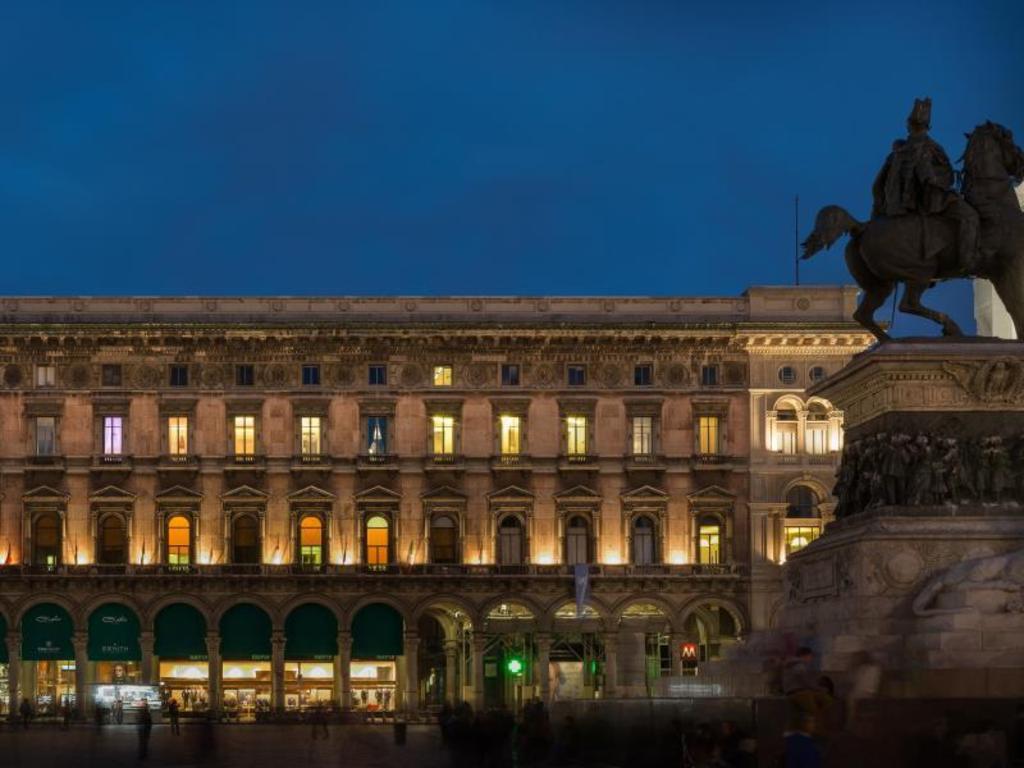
(992, 155)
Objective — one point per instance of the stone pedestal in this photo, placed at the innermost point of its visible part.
(924, 567)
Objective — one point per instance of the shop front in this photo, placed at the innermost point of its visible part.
(115, 657)
(245, 651)
(311, 645)
(377, 635)
(180, 647)
(48, 657)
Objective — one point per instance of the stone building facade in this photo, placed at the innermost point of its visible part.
(261, 503)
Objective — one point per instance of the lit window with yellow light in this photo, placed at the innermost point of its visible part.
(709, 543)
(708, 435)
(510, 435)
(179, 540)
(643, 435)
(177, 435)
(309, 432)
(245, 435)
(311, 541)
(442, 375)
(443, 435)
(377, 542)
(576, 435)
(799, 536)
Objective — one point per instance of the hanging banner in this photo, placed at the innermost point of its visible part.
(581, 576)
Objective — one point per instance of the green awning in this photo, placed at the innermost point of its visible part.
(180, 633)
(114, 634)
(245, 634)
(3, 644)
(311, 632)
(377, 632)
(46, 633)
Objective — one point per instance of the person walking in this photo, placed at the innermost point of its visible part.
(65, 716)
(25, 710)
(145, 729)
(319, 719)
(118, 711)
(172, 710)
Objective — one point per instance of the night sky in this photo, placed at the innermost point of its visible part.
(440, 147)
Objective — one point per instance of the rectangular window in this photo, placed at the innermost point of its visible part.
(509, 375)
(643, 375)
(245, 375)
(309, 428)
(577, 375)
(709, 375)
(709, 545)
(177, 435)
(576, 435)
(113, 435)
(442, 375)
(643, 435)
(46, 376)
(46, 435)
(378, 375)
(245, 435)
(311, 375)
(111, 375)
(443, 435)
(377, 435)
(787, 437)
(179, 375)
(510, 433)
(798, 537)
(708, 442)
(817, 439)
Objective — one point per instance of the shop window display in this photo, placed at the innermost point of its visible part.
(373, 686)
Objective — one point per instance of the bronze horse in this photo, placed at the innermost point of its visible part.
(920, 252)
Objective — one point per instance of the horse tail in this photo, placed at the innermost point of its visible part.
(831, 223)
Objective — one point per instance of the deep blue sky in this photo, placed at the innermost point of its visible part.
(465, 147)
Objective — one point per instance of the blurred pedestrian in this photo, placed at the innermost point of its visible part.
(801, 749)
(319, 720)
(865, 681)
(172, 711)
(145, 729)
(25, 710)
(65, 715)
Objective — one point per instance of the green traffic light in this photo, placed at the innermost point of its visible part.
(514, 666)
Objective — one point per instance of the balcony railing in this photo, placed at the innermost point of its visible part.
(711, 459)
(312, 459)
(179, 459)
(46, 460)
(445, 459)
(377, 459)
(245, 459)
(513, 460)
(580, 459)
(113, 459)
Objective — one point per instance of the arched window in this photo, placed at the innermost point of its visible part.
(816, 430)
(510, 541)
(179, 540)
(112, 544)
(311, 541)
(709, 541)
(577, 541)
(643, 541)
(378, 540)
(245, 540)
(786, 425)
(443, 540)
(46, 540)
(801, 501)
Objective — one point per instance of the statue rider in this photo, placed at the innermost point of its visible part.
(917, 178)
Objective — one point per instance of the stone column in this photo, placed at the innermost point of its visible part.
(343, 670)
(13, 640)
(146, 665)
(411, 650)
(611, 664)
(479, 647)
(451, 663)
(80, 641)
(541, 678)
(675, 641)
(213, 654)
(277, 670)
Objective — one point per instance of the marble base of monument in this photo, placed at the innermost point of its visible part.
(923, 569)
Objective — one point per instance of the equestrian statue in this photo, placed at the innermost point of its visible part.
(923, 230)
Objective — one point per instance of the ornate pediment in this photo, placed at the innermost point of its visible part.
(111, 493)
(45, 493)
(378, 494)
(311, 493)
(578, 493)
(510, 494)
(178, 494)
(244, 493)
(444, 493)
(711, 496)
